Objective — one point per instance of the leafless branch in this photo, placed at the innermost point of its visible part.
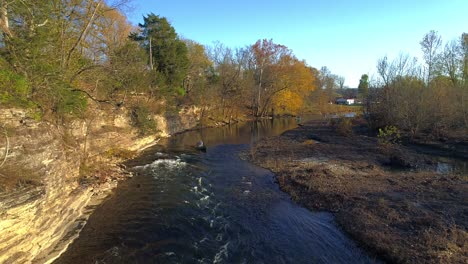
(7, 147)
(91, 97)
(85, 30)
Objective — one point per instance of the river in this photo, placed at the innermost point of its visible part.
(187, 206)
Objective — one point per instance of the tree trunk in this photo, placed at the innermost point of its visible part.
(151, 54)
(259, 92)
(84, 32)
(4, 21)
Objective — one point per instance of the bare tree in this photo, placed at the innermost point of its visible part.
(230, 84)
(384, 70)
(340, 80)
(451, 61)
(464, 50)
(402, 65)
(430, 44)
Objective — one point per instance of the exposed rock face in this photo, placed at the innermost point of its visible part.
(174, 123)
(46, 205)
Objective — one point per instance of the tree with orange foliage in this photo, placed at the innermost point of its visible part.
(295, 82)
(281, 79)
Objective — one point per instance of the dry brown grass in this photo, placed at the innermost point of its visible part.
(120, 153)
(100, 172)
(406, 216)
(13, 176)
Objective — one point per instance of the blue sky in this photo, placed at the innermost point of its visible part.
(346, 36)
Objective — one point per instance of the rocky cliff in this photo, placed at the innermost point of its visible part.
(46, 193)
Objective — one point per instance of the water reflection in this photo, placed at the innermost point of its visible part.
(241, 133)
(340, 115)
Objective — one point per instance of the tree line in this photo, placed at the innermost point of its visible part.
(428, 97)
(59, 56)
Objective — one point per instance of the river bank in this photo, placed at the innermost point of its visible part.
(54, 176)
(415, 213)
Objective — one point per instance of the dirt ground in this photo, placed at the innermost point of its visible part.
(391, 199)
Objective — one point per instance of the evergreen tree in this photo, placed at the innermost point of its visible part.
(168, 54)
(363, 88)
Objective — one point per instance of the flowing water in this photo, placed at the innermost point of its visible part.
(186, 206)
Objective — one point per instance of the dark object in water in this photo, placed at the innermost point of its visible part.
(201, 146)
(298, 121)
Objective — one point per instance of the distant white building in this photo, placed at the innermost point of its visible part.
(344, 101)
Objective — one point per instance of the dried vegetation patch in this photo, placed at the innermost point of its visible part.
(409, 215)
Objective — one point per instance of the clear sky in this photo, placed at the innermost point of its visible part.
(346, 36)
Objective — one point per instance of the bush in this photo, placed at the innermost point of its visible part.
(344, 126)
(389, 135)
(95, 173)
(14, 175)
(180, 91)
(15, 89)
(70, 102)
(141, 119)
(120, 153)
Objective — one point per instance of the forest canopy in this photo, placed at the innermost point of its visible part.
(57, 57)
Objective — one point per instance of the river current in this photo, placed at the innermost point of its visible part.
(187, 206)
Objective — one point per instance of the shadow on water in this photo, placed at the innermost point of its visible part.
(186, 206)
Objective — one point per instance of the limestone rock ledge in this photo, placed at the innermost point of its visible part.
(40, 218)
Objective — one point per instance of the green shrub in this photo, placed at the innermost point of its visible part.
(35, 114)
(180, 91)
(389, 135)
(141, 119)
(69, 102)
(14, 89)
